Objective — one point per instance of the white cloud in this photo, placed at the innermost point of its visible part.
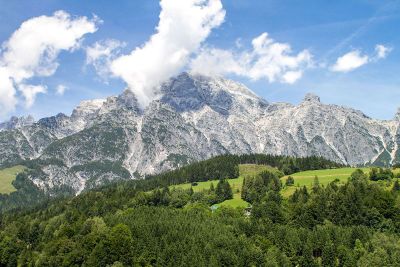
(267, 59)
(350, 61)
(291, 77)
(29, 92)
(8, 99)
(60, 89)
(355, 59)
(101, 54)
(183, 26)
(382, 51)
(32, 51)
(216, 61)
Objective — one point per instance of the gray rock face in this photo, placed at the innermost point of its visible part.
(16, 123)
(195, 117)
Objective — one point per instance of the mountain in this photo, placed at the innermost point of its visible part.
(194, 117)
(16, 122)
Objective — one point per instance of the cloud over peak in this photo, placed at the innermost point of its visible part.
(183, 26)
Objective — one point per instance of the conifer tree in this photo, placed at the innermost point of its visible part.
(224, 190)
(396, 186)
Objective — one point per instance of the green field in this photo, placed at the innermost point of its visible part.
(7, 176)
(236, 184)
(306, 178)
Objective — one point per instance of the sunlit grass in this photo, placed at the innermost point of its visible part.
(7, 176)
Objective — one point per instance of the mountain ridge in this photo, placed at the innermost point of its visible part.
(193, 118)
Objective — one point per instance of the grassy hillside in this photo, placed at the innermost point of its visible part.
(7, 176)
(140, 223)
(306, 178)
(236, 184)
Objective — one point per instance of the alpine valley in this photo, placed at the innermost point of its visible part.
(194, 117)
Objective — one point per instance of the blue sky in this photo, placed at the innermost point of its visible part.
(327, 30)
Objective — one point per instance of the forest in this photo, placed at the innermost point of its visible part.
(148, 223)
(225, 166)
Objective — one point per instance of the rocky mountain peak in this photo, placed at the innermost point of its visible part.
(310, 97)
(54, 121)
(87, 107)
(189, 92)
(397, 115)
(17, 122)
(195, 117)
(128, 100)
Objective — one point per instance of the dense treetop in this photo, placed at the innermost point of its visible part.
(146, 223)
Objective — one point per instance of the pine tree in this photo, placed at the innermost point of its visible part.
(315, 185)
(224, 190)
(191, 192)
(290, 181)
(396, 186)
(212, 189)
(328, 255)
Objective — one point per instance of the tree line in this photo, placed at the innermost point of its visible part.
(146, 223)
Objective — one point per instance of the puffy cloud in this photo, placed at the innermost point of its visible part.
(382, 51)
(267, 59)
(350, 61)
(355, 59)
(216, 61)
(291, 77)
(32, 51)
(183, 26)
(60, 89)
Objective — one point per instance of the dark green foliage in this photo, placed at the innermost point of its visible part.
(289, 165)
(26, 192)
(223, 190)
(255, 188)
(396, 186)
(143, 223)
(355, 203)
(220, 167)
(290, 181)
(226, 166)
(377, 174)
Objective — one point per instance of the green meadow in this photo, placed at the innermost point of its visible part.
(7, 176)
(236, 184)
(306, 178)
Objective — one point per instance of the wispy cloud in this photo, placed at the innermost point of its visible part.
(60, 89)
(382, 51)
(30, 91)
(378, 16)
(101, 54)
